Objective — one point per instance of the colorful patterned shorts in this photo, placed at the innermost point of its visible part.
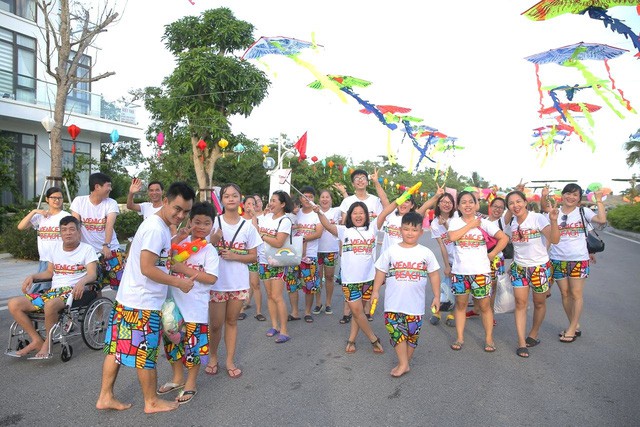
(356, 291)
(224, 296)
(497, 267)
(133, 336)
(38, 300)
(402, 327)
(572, 269)
(306, 277)
(479, 285)
(254, 267)
(193, 348)
(536, 277)
(327, 259)
(110, 270)
(267, 272)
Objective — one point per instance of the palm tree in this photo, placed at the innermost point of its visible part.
(633, 148)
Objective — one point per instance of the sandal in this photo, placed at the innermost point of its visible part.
(291, 318)
(578, 333)
(489, 348)
(377, 346)
(211, 370)
(568, 338)
(308, 318)
(185, 393)
(272, 332)
(168, 387)
(369, 317)
(282, 338)
(532, 342)
(242, 316)
(522, 352)
(457, 346)
(351, 347)
(234, 372)
(260, 317)
(345, 319)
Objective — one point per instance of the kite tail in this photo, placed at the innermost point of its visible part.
(369, 107)
(326, 81)
(556, 104)
(617, 26)
(539, 88)
(389, 152)
(586, 113)
(581, 134)
(594, 82)
(613, 86)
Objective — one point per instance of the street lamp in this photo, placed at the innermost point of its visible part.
(48, 123)
(286, 149)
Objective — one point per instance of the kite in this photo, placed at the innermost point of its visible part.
(596, 9)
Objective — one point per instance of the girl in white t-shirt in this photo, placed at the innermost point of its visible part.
(445, 206)
(570, 257)
(471, 270)
(328, 247)
(274, 227)
(250, 211)
(237, 242)
(358, 239)
(531, 267)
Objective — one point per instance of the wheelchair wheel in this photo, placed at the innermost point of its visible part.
(94, 324)
(67, 353)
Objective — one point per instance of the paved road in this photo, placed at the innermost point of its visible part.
(311, 381)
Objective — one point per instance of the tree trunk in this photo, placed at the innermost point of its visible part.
(204, 163)
(56, 132)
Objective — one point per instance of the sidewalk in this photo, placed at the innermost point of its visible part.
(12, 273)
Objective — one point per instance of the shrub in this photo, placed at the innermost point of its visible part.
(625, 217)
(127, 224)
(20, 244)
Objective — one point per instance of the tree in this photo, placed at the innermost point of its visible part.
(116, 160)
(633, 148)
(208, 85)
(64, 44)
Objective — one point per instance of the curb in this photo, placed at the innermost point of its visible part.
(628, 234)
(5, 255)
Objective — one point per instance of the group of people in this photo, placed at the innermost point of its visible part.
(213, 286)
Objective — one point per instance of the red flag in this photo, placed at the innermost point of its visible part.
(301, 146)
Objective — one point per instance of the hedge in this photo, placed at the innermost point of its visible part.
(625, 217)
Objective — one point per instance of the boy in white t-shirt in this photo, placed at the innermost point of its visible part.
(71, 265)
(193, 348)
(154, 191)
(405, 267)
(133, 332)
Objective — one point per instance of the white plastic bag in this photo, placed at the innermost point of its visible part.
(505, 301)
(446, 294)
(172, 320)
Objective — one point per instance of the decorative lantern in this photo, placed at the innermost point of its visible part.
(115, 136)
(160, 139)
(201, 145)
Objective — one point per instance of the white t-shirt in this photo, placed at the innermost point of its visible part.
(391, 229)
(500, 222)
(234, 275)
(407, 271)
(94, 220)
(328, 242)
(268, 225)
(70, 266)
(573, 242)
(373, 203)
(529, 249)
(48, 232)
(470, 251)
(194, 305)
(358, 253)
(306, 224)
(439, 231)
(147, 209)
(137, 290)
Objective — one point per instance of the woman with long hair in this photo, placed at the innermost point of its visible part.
(254, 273)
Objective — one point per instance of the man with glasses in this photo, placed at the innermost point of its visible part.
(360, 180)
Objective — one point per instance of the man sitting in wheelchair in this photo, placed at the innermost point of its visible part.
(71, 266)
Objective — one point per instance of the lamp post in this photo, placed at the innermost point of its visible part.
(274, 168)
(48, 123)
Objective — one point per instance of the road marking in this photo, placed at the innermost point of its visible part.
(4, 308)
(623, 238)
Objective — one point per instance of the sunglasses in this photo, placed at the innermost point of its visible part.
(564, 221)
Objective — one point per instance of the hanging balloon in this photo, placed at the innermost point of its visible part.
(340, 167)
(324, 165)
(386, 181)
(314, 159)
(351, 170)
(380, 180)
(115, 136)
(239, 149)
(223, 144)
(330, 163)
(201, 145)
(265, 149)
(74, 131)
(269, 163)
(594, 186)
(160, 139)
(344, 171)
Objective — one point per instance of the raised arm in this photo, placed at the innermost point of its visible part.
(457, 234)
(431, 202)
(382, 195)
(136, 185)
(601, 217)
(331, 228)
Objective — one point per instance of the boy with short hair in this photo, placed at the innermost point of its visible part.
(405, 267)
(360, 180)
(193, 348)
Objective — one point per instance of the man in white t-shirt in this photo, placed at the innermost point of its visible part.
(133, 333)
(154, 191)
(71, 265)
(98, 213)
(360, 180)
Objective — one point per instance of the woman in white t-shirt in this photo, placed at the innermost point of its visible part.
(471, 270)
(496, 210)
(236, 241)
(570, 258)
(254, 272)
(328, 248)
(531, 267)
(274, 227)
(445, 207)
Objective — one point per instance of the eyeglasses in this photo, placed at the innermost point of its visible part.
(360, 178)
(54, 198)
(564, 221)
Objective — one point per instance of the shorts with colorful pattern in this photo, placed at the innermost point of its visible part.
(403, 327)
(224, 296)
(268, 272)
(306, 276)
(193, 348)
(133, 336)
(38, 300)
(254, 267)
(571, 269)
(497, 267)
(356, 291)
(537, 277)
(479, 285)
(327, 259)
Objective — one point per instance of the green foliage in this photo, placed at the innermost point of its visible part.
(7, 172)
(83, 163)
(625, 217)
(633, 148)
(127, 224)
(20, 244)
(115, 158)
(245, 169)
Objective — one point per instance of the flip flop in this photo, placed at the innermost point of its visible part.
(567, 338)
(211, 370)
(190, 393)
(345, 319)
(169, 387)
(523, 352)
(242, 316)
(489, 348)
(232, 372)
(41, 357)
(282, 338)
(291, 318)
(377, 346)
(351, 347)
(532, 342)
(272, 332)
(577, 334)
(260, 317)
(308, 318)
(456, 346)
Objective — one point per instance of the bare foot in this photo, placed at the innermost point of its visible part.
(111, 403)
(160, 405)
(399, 371)
(36, 345)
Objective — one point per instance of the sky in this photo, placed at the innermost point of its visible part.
(457, 64)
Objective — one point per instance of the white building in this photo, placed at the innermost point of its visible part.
(27, 96)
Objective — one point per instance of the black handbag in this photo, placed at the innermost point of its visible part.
(507, 252)
(594, 242)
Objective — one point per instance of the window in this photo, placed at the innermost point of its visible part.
(79, 99)
(23, 8)
(24, 162)
(17, 66)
